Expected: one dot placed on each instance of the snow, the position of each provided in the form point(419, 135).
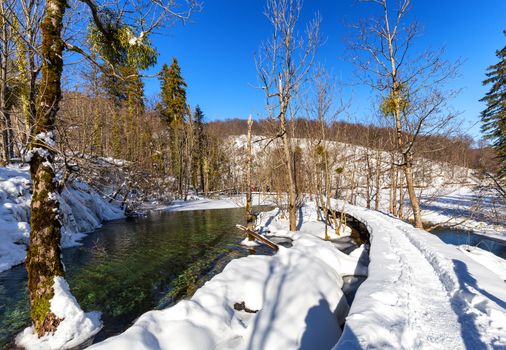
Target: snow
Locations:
point(297, 293)
point(47, 138)
point(247, 243)
point(419, 293)
point(491, 261)
point(202, 204)
point(83, 210)
point(75, 327)
point(223, 202)
point(466, 208)
point(422, 293)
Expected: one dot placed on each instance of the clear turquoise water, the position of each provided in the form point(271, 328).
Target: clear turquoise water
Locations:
point(134, 265)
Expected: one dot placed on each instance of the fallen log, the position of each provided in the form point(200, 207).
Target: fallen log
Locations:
point(259, 237)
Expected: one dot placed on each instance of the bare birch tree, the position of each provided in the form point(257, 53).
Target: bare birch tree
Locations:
point(411, 83)
point(283, 64)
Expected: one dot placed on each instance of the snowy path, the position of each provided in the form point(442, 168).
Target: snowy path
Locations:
point(422, 293)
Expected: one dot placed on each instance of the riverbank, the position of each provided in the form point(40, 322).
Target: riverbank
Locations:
point(419, 293)
point(254, 283)
point(83, 210)
point(292, 299)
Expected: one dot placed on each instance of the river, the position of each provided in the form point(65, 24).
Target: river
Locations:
point(130, 266)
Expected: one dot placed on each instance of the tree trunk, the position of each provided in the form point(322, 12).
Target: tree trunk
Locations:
point(250, 219)
point(378, 180)
point(7, 134)
point(43, 259)
point(408, 173)
point(407, 166)
point(292, 210)
point(368, 182)
point(400, 210)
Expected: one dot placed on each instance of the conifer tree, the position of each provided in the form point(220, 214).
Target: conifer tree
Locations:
point(173, 93)
point(494, 116)
point(173, 109)
point(200, 139)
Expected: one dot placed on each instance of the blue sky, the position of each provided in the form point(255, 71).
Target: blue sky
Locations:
point(216, 49)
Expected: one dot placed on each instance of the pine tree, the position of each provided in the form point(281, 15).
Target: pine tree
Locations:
point(173, 94)
point(200, 139)
point(173, 110)
point(494, 116)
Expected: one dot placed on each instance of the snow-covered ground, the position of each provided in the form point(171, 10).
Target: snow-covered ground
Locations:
point(420, 293)
point(83, 211)
point(297, 293)
point(449, 194)
point(467, 208)
point(223, 202)
point(423, 293)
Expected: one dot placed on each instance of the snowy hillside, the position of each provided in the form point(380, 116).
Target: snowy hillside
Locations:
point(83, 211)
point(449, 194)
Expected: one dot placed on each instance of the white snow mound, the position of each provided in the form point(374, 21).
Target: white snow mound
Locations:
point(75, 328)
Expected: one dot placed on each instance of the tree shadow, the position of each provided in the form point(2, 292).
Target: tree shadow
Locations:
point(300, 218)
point(318, 334)
point(466, 279)
point(269, 220)
point(275, 300)
point(348, 341)
point(469, 330)
point(322, 327)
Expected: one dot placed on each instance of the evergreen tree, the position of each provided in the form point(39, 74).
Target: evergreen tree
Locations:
point(173, 94)
point(199, 154)
point(494, 116)
point(173, 110)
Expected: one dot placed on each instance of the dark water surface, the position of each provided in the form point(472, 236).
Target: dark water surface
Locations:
point(459, 237)
point(131, 266)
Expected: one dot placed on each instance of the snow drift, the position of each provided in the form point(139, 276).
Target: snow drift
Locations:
point(83, 211)
point(75, 327)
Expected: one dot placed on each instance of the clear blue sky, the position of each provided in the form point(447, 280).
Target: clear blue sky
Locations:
point(216, 49)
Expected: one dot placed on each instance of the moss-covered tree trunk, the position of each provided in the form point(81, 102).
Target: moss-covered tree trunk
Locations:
point(43, 261)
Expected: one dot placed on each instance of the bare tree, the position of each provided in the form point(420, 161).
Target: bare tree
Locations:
point(282, 65)
point(249, 162)
point(411, 83)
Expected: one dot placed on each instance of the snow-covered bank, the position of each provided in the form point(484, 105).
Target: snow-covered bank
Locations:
point(83, 211)
point(466, 208)
point(487, 259)
point(297, 293)
point(422, 293)
point(224, 202)
point(75, 326)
